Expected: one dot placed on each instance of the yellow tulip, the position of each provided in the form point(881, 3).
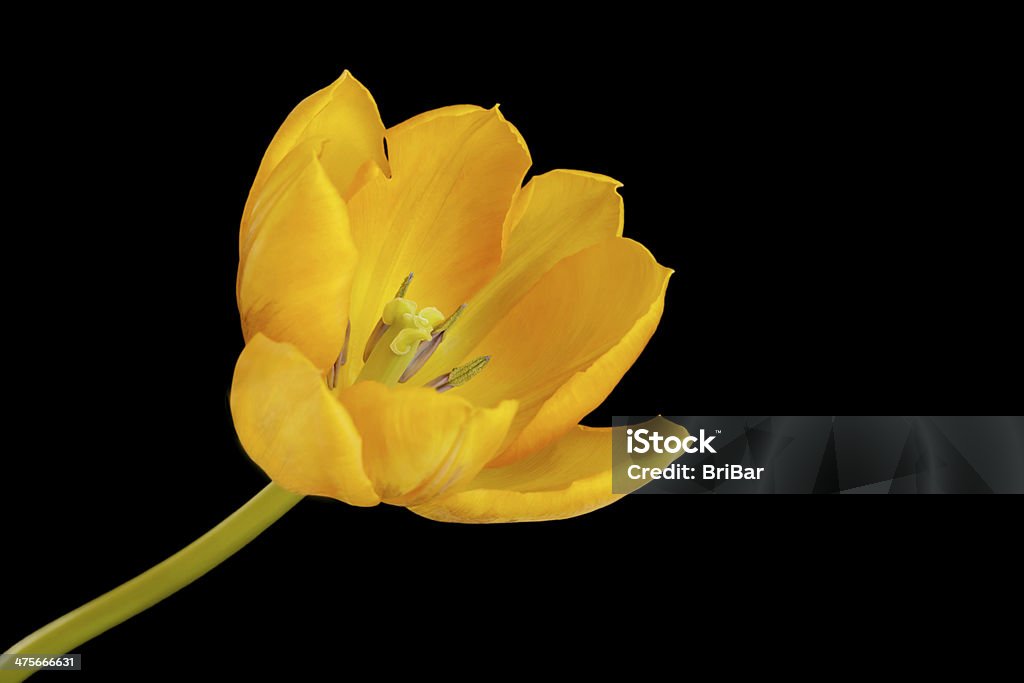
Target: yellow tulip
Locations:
point(554, 297)
point(462, 407)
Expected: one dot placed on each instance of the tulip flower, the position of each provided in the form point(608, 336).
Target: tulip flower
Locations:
point(551, 306)
point(422, 329)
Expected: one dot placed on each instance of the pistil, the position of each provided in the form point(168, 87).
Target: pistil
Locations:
point(382, 325)
point(403, 341)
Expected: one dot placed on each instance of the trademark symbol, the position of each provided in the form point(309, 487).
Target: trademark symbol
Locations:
point(718, 431)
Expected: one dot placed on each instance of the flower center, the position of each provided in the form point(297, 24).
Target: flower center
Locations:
point(404, 339)
point(396, 347)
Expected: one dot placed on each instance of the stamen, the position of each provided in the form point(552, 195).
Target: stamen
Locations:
point(450, 320)
point(335, 370)
point(423, 354)
point(437, 382)
point(464, 373)
point(375, 336)
point(404, 287)
point(458, 376)
point(343, 356)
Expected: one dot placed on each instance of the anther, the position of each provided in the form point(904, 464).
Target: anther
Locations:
point(459, 375)
point(464, 373)
point(404, 287)
point(450, 320)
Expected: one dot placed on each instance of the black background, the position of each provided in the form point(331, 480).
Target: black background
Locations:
point(830, 214)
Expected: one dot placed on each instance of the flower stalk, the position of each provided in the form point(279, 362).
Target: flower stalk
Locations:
point(145, 590)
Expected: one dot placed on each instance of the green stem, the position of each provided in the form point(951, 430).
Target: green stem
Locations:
point(145, 590)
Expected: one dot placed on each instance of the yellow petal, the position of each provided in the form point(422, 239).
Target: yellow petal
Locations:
point(563, 348)
point(343, 112)
point(293, 428)
point(440, 215)
point(554, 216)
point(296, 267)
point(440, 112)
point(419, 443)
point(570, 477)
